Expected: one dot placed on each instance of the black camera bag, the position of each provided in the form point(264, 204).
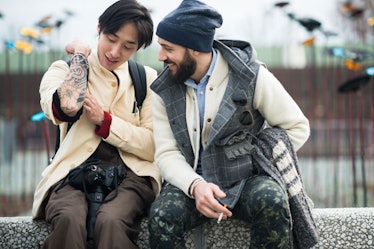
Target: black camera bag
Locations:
point(96, 182)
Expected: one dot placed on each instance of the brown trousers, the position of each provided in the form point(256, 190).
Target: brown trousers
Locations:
point(117, 223)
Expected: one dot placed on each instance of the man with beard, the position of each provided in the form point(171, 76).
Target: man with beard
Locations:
point(209, 102)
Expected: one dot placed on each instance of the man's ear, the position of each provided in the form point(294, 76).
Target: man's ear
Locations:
point(98, 29)
point(194, 53)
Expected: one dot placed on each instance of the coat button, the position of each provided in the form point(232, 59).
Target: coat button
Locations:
point(90, 150)
point(114, 84)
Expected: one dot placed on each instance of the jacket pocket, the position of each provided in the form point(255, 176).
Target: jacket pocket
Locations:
point(236, 145)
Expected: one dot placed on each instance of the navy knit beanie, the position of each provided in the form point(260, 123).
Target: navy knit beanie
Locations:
point(192, 25)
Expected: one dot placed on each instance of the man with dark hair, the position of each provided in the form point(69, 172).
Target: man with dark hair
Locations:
point(95, 94)
point(225, 133)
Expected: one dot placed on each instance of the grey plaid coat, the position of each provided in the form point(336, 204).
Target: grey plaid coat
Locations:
point(222, 162)
point(232, 150)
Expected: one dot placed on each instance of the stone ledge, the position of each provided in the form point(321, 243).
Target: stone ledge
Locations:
point(339, 228)
point(345, 228)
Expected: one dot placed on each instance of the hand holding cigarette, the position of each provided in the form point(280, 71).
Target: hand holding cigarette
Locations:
point(206, 195)
point(221, 214)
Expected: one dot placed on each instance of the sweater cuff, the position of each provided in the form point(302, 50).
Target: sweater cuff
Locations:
point(56, 113)
point(59, 114)
point(103, 129)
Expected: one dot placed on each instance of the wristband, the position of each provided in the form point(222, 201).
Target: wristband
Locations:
point(195, 183)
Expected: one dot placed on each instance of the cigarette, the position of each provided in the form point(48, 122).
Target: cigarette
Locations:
point(221, 214)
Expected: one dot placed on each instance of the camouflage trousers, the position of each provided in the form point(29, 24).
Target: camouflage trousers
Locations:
point(263, 204)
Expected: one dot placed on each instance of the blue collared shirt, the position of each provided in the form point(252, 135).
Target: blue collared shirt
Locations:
point(199, 89)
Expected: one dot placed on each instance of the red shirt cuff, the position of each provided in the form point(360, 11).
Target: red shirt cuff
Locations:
point(103, 130)
point(56, 112)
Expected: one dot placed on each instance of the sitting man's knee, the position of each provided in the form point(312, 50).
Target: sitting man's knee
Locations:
point(267, 194)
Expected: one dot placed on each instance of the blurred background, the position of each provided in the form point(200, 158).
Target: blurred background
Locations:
point(321, 51)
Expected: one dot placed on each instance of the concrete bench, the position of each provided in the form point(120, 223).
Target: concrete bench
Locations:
point(339, 228)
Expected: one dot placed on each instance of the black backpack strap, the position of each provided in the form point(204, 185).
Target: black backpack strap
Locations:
point(138, 76)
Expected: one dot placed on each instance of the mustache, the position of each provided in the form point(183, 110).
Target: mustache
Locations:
point(168, 61)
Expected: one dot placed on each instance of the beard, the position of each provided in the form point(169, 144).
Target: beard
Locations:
point(184, 70)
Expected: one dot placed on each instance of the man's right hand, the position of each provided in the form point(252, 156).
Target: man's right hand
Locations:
point(206, 202)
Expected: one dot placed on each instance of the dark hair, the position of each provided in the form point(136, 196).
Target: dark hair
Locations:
point(124, 11)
